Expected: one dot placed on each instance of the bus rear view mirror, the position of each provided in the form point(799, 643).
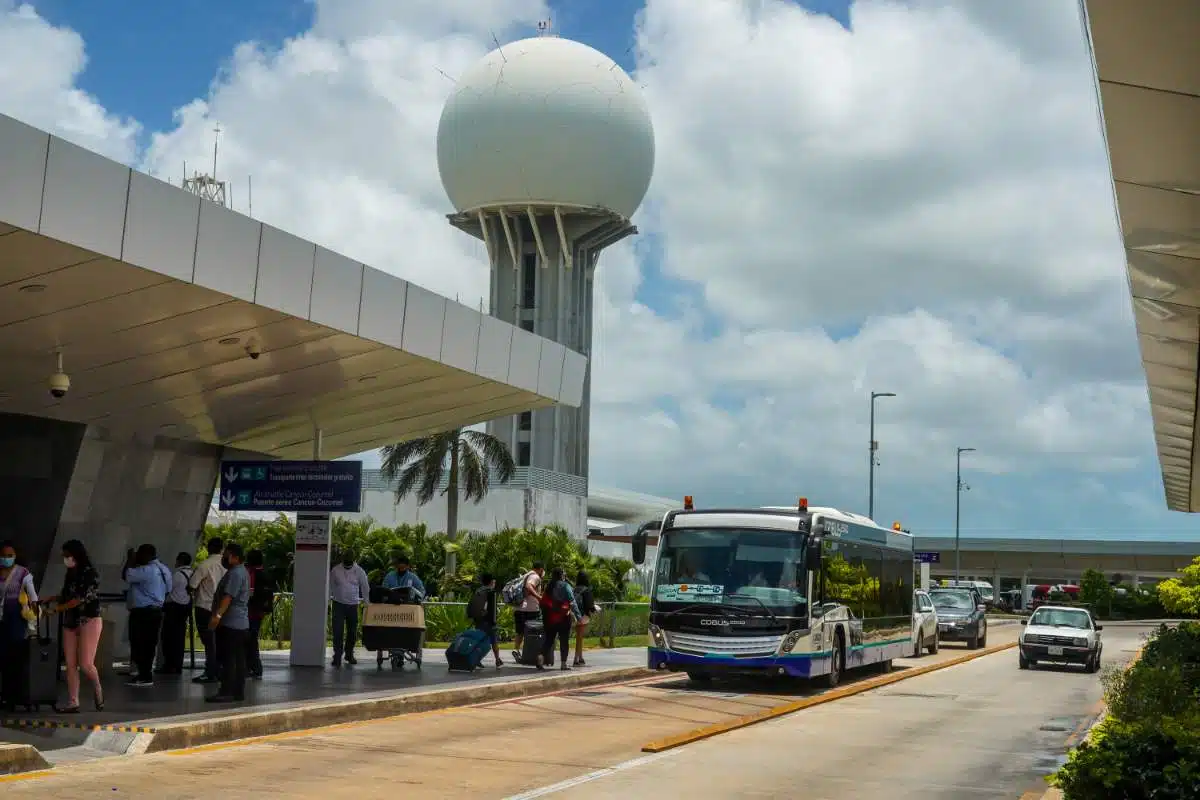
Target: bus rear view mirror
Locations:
point(641, 538)
point(813, 556)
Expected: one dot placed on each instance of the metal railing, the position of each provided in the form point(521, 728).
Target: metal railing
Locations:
point(444, 619)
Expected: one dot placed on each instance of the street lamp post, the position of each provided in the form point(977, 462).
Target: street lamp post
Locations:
point(958, 490)
point(873, 447)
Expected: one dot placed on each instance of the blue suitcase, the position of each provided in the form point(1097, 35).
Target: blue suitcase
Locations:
point(468, 650)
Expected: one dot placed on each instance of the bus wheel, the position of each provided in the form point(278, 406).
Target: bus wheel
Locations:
point(837, 661)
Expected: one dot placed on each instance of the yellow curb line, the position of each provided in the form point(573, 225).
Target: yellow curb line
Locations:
point(718, 728)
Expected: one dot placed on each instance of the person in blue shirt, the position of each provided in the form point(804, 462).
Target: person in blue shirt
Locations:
point(149, 583)
point(402, 575)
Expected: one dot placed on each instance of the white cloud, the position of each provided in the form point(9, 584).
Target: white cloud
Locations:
point(919, 206)
point(39, 65)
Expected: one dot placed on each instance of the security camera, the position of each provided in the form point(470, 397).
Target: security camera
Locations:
point(253, 349)
point(60, 382)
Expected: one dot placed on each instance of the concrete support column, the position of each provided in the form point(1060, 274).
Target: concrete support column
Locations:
point(310, 603)
point(1024, 583)
point(924, 576)
point(1137, 580)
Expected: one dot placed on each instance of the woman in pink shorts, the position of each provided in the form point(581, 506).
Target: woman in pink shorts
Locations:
point(79, 603)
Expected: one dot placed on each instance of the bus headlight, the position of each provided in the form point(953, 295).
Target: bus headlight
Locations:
point(657, 637)
point(790, 641)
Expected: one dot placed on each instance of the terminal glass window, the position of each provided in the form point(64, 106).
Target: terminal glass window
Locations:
point(522, 454)
point(525, 421)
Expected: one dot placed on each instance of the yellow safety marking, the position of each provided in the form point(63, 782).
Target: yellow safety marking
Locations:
point(78, 726)
point(718, 728)
point(26, 776)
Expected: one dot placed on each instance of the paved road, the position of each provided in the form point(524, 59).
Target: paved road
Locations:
point(513, 748)
point(978, 730)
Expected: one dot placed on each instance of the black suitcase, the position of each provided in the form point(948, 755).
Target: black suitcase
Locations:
point(534, 643)
point(41, 667)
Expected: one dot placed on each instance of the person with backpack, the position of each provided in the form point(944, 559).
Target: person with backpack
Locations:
point(558, 610)
point(524, 594)
point(176, 611)
point(586, 601)
point(482, 612)
point(261, 603)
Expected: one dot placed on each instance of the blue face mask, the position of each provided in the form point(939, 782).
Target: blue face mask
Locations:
point(7, 561)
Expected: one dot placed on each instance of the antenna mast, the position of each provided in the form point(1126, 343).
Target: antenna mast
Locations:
point(207, 186)
point(544, 28)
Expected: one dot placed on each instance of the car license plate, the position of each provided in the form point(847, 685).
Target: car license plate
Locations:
point(1054, 651)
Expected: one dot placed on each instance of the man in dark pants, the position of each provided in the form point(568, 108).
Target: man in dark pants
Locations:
point(175, 616)
point(207, 575)
point(149, 582)
point(230, 623)
point(348, 589)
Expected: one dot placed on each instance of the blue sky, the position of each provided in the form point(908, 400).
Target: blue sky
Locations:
point(147, 59)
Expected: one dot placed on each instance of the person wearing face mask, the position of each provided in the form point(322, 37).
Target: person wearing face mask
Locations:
point(348, 589)
point(79, 604)
point(18, 601)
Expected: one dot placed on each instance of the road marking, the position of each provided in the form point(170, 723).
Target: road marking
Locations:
point(718, 728)
point(571, 783)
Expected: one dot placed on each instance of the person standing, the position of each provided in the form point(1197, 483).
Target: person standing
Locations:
point(203, 585)
point(79, 604)
point(175, 616)
point(585, 600)
point(149, 582)
point(262, 602)
point(230, 623)
point(18, 602)
point(558, 609)
point(348, 589)
point(482, 612)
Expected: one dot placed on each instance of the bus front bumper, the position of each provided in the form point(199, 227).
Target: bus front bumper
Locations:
point(800, 665)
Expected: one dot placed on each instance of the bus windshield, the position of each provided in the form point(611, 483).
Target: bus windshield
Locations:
point(759, 570)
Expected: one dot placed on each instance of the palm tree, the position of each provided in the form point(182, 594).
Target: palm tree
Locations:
point(471, 456)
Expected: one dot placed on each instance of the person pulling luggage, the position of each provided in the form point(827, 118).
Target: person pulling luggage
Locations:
point(482, 612)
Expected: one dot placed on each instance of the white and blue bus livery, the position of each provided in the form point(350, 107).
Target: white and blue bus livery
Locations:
point(803, 592)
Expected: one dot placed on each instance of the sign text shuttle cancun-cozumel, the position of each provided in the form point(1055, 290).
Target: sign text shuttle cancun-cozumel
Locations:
point(322, 486)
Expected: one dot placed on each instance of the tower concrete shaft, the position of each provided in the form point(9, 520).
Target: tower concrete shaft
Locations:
point(543, 266)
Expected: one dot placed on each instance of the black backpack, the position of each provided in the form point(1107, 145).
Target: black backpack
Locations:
point(263, 598)
point(477, 607)
point(585, 601)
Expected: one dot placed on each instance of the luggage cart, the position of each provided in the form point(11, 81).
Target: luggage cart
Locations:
point(394, 627)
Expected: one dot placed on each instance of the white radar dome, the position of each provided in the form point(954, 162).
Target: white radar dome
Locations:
point(546, 121)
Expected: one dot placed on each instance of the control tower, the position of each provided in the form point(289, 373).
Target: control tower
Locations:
point(546, 149)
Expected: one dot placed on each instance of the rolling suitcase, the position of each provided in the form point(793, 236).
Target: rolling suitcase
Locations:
point(41, 667)
point(468, 650)
point(534, 643)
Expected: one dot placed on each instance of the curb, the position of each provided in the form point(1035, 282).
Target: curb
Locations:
point(708, 731)
point(49, 724)
point(20, 758)
point(256, 724)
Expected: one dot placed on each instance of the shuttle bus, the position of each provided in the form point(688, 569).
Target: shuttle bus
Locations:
point(802, 592)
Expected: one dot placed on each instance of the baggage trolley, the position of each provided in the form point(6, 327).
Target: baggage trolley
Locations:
point(394, 628)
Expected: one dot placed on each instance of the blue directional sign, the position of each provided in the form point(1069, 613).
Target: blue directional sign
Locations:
point(927, 558)
point(291, 486)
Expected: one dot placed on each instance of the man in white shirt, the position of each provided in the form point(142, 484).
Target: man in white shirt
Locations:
point(348, 589)
point(203, 584)
point(175, 616)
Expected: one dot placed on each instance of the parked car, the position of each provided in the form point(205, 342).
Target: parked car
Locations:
point(985, 589)
point(962, 616)
point(1063, 634)
point(925, 625)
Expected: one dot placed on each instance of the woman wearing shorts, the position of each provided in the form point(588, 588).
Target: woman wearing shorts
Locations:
point(79, 603)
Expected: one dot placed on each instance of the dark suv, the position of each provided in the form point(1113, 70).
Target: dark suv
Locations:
point(962, 616)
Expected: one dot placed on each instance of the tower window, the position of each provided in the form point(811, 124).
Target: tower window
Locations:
point(526, 421)
point(529, 281)
point(527, 325)
point(522, 454)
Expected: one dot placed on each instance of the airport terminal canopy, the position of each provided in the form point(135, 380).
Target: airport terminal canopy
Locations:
point(178, 317)
point(1149, 84)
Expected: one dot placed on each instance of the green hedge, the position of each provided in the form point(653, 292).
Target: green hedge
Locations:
point(1149, 745)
